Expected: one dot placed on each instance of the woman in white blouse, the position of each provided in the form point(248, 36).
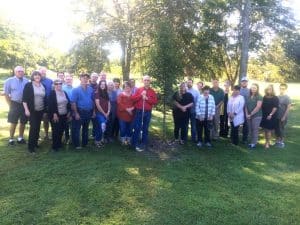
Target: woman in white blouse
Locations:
point(235, 110)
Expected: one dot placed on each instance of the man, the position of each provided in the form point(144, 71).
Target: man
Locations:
point(144, 99)
point(13, 91)
point(102, 76)
point(192, 115)
point(200, 86)
point(94, 85)
point(117, 84)
point(82, 101)
point(115, 122)
point(285, 105)
point(218, 95)
point(68, 87)
point(48, 85)
point(245, 92)
point(61, 76)
point(132, 84)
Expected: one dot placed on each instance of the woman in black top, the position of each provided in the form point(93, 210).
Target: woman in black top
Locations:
point(269, 109)
point(183, 101)
point(59, 113)
point(34, 102)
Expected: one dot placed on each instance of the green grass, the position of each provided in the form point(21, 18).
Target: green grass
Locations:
point(229, 185)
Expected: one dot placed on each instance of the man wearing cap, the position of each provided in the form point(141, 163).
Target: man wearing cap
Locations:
point(82, 106)
point(94, 84)
point(245, 92)
point(144, 99)
point(13, 91)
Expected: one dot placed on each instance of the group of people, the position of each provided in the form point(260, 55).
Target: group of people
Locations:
point(112, 110)
point(213, 111)
point(125, 113)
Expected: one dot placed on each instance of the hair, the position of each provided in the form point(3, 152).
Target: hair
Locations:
point(94, 74)
point(272, 87)
point(84, 75)
point(283, 85)
point(18, 68)
point(34, 73)
point(190, 79)
point(103, 93)
point(236, 88)
point(206, 88)
point(117, 80)
point(126, 83)
point(200, 82)
point(257, 92)
point(60, 72)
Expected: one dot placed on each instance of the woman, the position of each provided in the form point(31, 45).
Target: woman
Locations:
point(59, 113)
point(235, 110)
point(125, 113)
point(183, 101)
point(205, 111)
point(102, 112)
point(34, 102)
point(269, 114)
point(112, 94)
point(253, 114)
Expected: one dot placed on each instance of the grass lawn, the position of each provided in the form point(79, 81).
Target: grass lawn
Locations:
point(228, 185)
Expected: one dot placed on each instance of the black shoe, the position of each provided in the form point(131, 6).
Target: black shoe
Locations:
point(21, 141)
point(11, 143)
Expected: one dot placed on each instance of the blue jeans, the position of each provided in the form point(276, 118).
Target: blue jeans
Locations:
point(193, 126)
point(101, 124)
point(125, 129)
point(137, 127)
point(83, 124)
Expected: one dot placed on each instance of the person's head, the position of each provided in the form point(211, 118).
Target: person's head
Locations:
point(110, 86)
point(57, 84)
point(19, 71)
point(215, 83)
point(61, 76)
point(127, 86)
point(132, 82)
point(269, 91)
point(200, 85)
point(226, 85)
point(254, 90)
point(117, 83)
point(189, 83)
point(102, 76)
point(205, 90)
point(94, 78)
point(244, 82)
point(182, 87)
point(68, 79)
point(36, 76)
point(43, 71)
point(84, 79)
point(146, 81)
point(283, 88)
point(236, 90)
point(102, 85)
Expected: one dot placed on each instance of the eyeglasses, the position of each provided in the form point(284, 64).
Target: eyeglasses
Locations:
point(57, 83)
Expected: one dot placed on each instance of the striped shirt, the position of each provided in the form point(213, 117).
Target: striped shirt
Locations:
point(201, 106)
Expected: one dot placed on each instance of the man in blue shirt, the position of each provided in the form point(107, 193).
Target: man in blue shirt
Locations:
point(13, 91)
point(48, 83)
point(68, 87)
point(83, 106)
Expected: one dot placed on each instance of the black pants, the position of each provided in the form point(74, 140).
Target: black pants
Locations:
point(67, 130)
point(180, 125)
point(203, 126)
point(34, 130)
point(234, 134)
point(58, 129)
point(245, 129)
point(224, 128)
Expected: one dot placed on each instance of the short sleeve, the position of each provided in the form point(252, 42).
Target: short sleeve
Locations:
point(74, 95)
point(7, 87)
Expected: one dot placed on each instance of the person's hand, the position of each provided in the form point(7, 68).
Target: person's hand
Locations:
point(248, 116)
point(183, 109)
point(283, 119)
point(210, 118)
point(55, 118)
point(269, 117)
point(27, 113)
point(129, 110)
point(94, 115)
point(77, 116)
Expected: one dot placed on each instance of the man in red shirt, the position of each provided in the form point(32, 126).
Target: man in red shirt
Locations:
point(144, 99)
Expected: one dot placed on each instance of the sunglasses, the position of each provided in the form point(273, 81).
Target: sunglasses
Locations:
point(58, 84)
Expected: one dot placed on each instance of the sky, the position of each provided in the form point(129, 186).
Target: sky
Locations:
point(53, 19)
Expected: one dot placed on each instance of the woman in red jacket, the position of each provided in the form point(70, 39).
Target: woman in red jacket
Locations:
point(125, 113)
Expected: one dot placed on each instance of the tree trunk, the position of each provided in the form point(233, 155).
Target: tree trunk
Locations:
point(245, 38)
point(126, 57)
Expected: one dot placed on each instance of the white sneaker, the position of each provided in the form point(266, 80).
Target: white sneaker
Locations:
point(139, 149)
point(199, 144)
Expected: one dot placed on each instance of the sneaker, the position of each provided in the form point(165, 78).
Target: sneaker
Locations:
point(251, 146)
point(181, 142)
point(208, 144)
point(21, 141)
point(78, 147)
point(199, 144)
point(11, 142)
point(281, 145)
point(139, 149)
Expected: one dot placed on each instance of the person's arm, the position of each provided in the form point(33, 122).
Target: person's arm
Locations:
point(137, 96)
point(256, 109)
point(97, 101)
point(120, 103)
point(7, 92)
point(288, 108)
point(240, 107)
point(74, 108)
point(213, 108)
point(274, 109)
point(151, 98)
point(109, 108)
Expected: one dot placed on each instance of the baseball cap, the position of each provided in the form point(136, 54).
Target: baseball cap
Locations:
point(244, 79)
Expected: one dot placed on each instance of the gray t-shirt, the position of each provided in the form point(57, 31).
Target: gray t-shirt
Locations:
point(284, 101)
point(62, 102)
point(39, 95)
point(245, 92)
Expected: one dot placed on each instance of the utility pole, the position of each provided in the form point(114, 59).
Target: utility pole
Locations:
point(245, 38)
